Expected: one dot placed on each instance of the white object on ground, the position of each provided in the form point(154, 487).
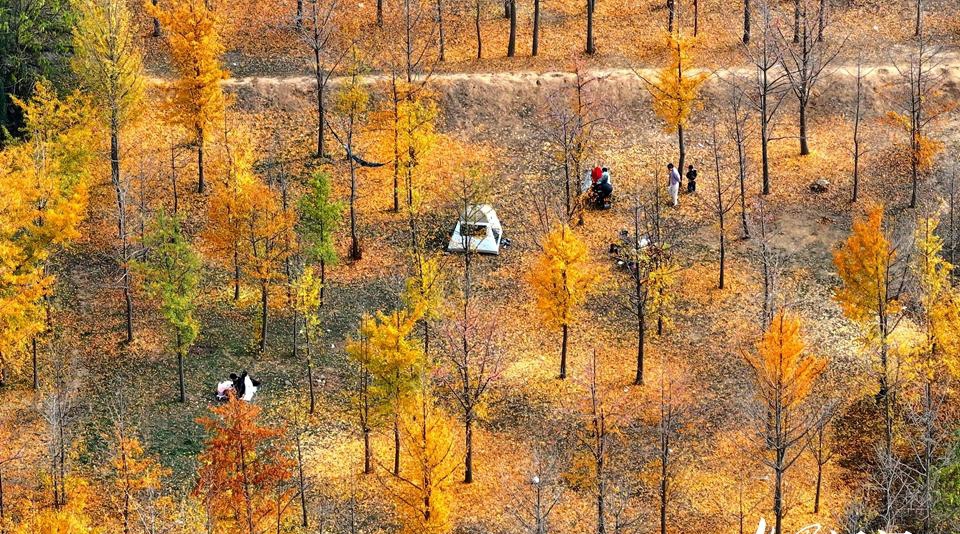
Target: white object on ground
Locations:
point(248, 389)
point(478, 230)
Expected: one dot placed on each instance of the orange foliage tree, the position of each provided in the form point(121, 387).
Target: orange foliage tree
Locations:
point(869, 295)
point(784, 375)
point(195, 44)
point(561, 280)
point(243, 475)
point(249, 229)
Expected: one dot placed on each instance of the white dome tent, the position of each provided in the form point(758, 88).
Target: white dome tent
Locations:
point(478, 230)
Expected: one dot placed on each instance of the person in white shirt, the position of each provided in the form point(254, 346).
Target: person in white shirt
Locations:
point(673, 184)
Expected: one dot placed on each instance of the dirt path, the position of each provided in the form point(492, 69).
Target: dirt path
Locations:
point(949, 66)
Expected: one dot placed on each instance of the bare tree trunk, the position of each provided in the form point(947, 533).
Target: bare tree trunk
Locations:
point(302, 483)
point(796, 26)
point(591, 6)
point(696, 17)
point(918, 30)
point(746, 21)
point(396, 445)
point(36, 374)
point(563, 353)
point(320, 87)
point(201, 186)
point(379, 13)
point(442, 39)
point(671, 14)
point(476, 23)
point(183, 388)
point(263, 317)
point(512, 43)
point(821, 19)
point(804, 145)
point(468, 436)
point(536, 28)
point(681, 145)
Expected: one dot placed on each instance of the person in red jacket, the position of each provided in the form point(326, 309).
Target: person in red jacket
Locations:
point(595, 175)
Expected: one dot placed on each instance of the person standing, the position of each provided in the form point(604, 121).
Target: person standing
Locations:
point(691, 179)
point(673, 184)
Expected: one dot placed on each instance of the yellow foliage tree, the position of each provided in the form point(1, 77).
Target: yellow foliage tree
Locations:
point(71, 518)
point(675, 90)
point(44, 185)
point(869, 295)
point(423, 490)
point(195, 44)
point(306, 302)
point(110, 65)
point(249, 229)
point(395, 362)
point(784, 376)
point(134, 475)
point(561, 279)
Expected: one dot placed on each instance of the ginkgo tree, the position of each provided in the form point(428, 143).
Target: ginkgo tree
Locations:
point(676, 90)
point(870, 296)
point(171, 273)
point(110, 65)
point(192, 29)
point(784, 377)
point(561, 279)
point(45, 184)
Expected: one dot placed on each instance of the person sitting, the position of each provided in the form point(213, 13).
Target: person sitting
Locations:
point(604, 190)
point(246, 386)
point(224, 388)
point(595, 175)
point(243, 387)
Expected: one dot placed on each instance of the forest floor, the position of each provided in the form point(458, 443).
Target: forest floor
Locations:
point(501, 114)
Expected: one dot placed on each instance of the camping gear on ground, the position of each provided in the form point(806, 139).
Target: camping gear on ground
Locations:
point(477, 230)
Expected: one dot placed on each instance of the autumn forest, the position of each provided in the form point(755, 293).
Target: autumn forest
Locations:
point(479, 266)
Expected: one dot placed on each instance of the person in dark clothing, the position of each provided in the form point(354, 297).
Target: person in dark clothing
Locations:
point(604, 190)
point(691, 179)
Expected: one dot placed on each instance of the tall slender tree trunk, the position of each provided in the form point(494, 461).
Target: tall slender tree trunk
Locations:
point(442, 40)
point(512, 43)
point(476, 24)
point(468, 438)
point(308, 352)
point(321, 119)
point(201, 186)
point(180, 379)
point(918, 27)
point(396, 444)
point(746, 21)
point(641, 342)
point(563, 353)
point(796, 24)
point(121, 220)
point(36, 374)
point(682, 146)
point(302, 482)
point(742, 163)
point(264, 317)
point(696, 17)
point(591, 6)
point(379, 13)
point(356, 253)
point(536, 28)
point(671, 14)
point(821, 19)
point(804, 145)
point(664, 464)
